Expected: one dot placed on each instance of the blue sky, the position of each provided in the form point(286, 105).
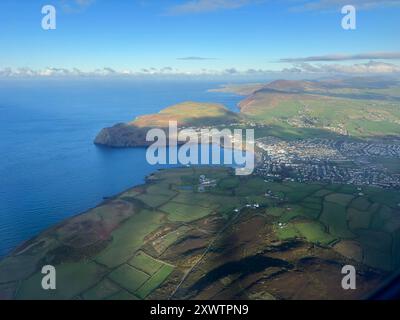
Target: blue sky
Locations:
point(199, 36)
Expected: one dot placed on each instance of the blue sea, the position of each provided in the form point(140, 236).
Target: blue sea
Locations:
point(49, 167)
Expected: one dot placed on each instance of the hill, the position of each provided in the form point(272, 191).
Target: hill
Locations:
point(353, 107)
point(336, 106)
point(187, 114)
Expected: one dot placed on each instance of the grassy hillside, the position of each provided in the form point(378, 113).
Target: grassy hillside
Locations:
point(358, 108)
point(335, 107)
point(142, 243)
point(188, 114)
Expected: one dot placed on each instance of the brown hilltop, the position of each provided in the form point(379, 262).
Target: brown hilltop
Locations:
point(292, 85)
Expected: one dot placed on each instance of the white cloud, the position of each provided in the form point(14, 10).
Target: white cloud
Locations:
point(303, 67)
point(202, 6)
point(360, 68)
point(337, 4)
point(344, 57)
point(194, 58)
point(75, 6)
point(292, 70)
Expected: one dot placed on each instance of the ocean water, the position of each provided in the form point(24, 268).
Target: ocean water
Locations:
point(49, 167)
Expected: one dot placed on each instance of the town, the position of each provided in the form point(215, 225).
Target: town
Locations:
point(349, 162)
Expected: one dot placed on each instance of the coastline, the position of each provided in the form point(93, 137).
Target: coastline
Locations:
point(60, 173)
point(106, 200)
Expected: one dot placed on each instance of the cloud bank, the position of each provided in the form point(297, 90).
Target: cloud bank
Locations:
point(346, 57)
point(371, 67)
point(75, 6)
point(195, 58)
point(360, 68)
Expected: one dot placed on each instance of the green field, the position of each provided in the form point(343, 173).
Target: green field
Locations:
point(145, 263)
point(153, 200)
point(106, 288)
point(155, 281)
point(184, 212)
point(129, 277)
point(360, 117)
point(130, 263)
point(129, 237)
point(167, 240)
point(314, 232)
point(72, 279)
